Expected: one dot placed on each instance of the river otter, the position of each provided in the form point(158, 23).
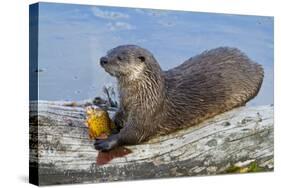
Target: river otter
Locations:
point(153, 101)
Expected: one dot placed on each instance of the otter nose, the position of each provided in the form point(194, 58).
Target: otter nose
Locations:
point(103, 61)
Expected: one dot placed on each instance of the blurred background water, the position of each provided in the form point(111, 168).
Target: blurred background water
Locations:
point(72, 38)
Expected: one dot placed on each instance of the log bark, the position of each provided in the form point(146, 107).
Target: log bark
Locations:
point(61, 150)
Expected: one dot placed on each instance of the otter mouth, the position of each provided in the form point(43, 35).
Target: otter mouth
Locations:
point(110, 69)
point(104, 63)
point(110, 73)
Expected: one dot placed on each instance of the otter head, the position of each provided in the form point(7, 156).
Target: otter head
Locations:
point(129, 62)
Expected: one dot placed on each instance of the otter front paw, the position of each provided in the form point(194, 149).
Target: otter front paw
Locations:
point(108, 144)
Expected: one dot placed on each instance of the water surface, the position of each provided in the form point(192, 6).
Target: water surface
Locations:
point(72, 38)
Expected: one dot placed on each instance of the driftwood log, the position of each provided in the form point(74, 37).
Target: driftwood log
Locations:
point(61, 152)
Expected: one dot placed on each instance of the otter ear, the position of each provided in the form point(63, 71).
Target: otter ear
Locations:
point(141, 58)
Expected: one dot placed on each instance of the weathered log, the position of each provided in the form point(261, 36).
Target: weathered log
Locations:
point(61, 150)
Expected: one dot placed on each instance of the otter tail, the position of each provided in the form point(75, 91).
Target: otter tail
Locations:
point(247, 74)
point(257, 75)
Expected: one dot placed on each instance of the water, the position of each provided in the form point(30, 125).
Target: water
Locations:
point(72, 38)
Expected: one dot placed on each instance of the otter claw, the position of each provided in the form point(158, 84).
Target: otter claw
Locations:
point(108, 144)
point(101, 145)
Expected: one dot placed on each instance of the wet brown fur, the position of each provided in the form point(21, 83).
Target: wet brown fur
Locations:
point(153, 101)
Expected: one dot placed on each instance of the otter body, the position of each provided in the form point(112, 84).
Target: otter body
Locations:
point(153, 101)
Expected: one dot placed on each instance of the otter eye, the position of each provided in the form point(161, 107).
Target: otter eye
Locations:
point(141, 58)
point(119, 58)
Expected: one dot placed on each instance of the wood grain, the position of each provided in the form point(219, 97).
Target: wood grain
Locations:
point(61, 150)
